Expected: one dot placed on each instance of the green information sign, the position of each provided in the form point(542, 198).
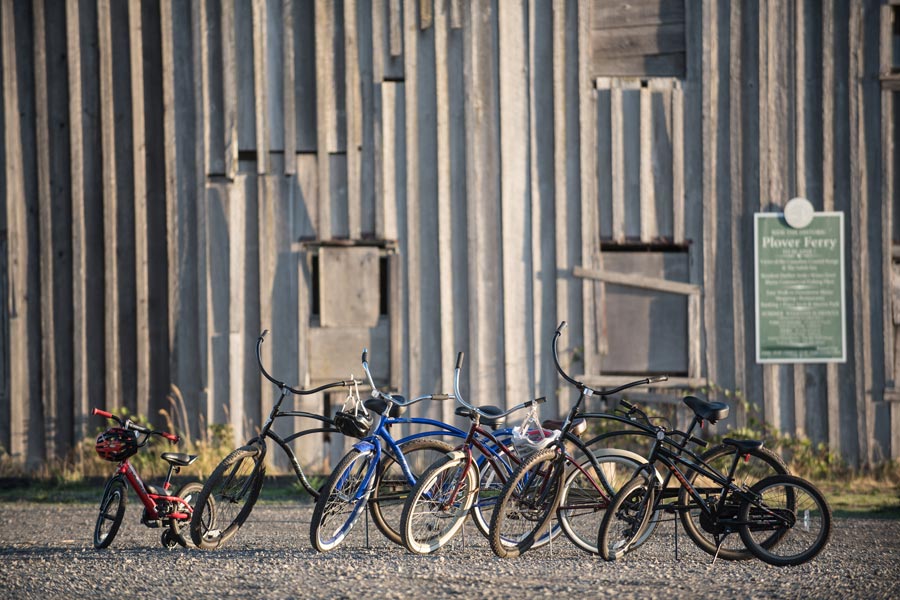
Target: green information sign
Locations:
point(800, 306)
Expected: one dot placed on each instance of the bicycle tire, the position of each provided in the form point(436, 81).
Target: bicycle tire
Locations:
point(761, 463)
point(526, 505)
point(190, 493)
point(625, 519)
point(391, 488)
point(228, 497)
point(808, 516)
point(438, 504)
point(340, 503)
point(582, 507)
point(112, 511)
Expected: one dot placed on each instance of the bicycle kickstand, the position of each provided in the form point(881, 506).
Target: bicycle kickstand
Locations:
point(719, 543)
point(675, 520)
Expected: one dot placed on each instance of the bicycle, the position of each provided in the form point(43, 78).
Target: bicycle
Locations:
point(782, 519)
point(532, 495)
point(235, 484)
point(161, 508)
point(581, 507)
point(378, 470)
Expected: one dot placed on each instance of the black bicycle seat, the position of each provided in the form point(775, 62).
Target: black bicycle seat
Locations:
point(490, 421)
point(743, 446)
point(380, 404)
point(579, 426)
point(179, 459)
point(708, 411)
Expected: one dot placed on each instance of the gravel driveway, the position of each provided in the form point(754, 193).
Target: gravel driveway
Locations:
point(46, 552)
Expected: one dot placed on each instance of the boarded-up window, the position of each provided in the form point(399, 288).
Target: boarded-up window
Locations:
point(638, 38)
point(647, 330)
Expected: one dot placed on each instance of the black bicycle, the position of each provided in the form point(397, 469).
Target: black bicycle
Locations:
point(781, 519)
point(585, 477)
point(234, 485)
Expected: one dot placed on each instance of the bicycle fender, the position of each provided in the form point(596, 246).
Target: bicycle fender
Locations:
point(627, 454)
point(457, 455)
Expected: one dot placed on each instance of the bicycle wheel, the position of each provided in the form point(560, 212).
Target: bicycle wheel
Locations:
point(438, 504)
point(625, 519)
point(392, 488)
point(708, 535)
point(341, 501)
point(228, 497)
point(526, 504)
point(112, 510)
point(789, 524)
point(587, 493)
point(180, 530)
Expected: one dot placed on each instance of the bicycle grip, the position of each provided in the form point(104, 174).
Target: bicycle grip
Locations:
point(441, 396)
point(102, 413)
point(562, 326)
point(171, 437)
point(657, 379)
point(540, 400)
point(626, 404)
point(263, 334)
point(459, 360)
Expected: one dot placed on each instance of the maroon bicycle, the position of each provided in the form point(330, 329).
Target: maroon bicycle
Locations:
point(161, 508)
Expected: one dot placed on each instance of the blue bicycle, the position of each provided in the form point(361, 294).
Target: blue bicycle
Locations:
point(378, 469)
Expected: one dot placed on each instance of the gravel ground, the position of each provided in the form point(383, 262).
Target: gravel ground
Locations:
point(46, 551)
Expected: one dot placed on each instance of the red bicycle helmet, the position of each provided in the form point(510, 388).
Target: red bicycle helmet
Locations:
point(116, 444)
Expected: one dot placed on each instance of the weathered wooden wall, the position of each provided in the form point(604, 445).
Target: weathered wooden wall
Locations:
point(179, 175)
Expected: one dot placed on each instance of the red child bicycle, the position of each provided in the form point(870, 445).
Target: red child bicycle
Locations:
point(161, 508)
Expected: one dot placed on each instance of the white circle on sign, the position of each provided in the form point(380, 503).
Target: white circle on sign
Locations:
point(799, 212)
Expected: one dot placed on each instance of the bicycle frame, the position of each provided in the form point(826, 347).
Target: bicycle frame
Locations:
point(149, 500)
point(373, 443)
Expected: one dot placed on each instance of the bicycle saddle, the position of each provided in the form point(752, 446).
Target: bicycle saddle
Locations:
point(578, 427)
point(743, 446)
point(491, 421)
point(178, 459)
point(708, 411)
point(380, 404)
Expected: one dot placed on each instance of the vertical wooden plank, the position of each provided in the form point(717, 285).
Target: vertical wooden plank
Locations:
point(617, 134)
point(514, 206)
point(379, 46)
point(801, 400)
point(389, 98)
point(354, 118)
point(485, 358)
point(217, 291)
point(828, 187)
point(46, 259)
point(229, 89)
point(563, 276)
point(289, 84)
point(456, 14)
point(306, 195)
point(23, 257)
point(80, 373)
point(888, 162)
point(710, 124)
point(592, 291)
point(426, 14)
point(141, 229)
point(260, 85)
point(326, 126)
point(413, 216)
point(647, 188)
point(110, 208)
point(859, 239)
point(444, 203)
point(395, 26)
point(678, 216)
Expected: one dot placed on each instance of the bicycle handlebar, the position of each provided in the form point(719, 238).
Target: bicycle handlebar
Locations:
point(586, 389)
point(461, 400)
point(129, 424)
point(285, 386)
